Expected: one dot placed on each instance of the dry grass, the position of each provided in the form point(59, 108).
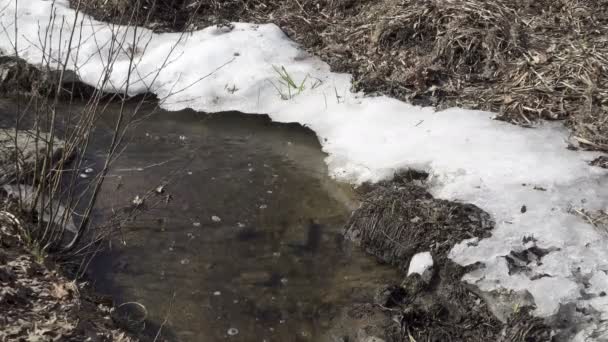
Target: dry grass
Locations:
point(398, 219)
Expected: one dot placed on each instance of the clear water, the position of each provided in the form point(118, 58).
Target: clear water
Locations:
point(248, 247)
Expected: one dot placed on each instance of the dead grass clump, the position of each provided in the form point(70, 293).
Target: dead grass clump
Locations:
point(449, 38)
point(400, 219)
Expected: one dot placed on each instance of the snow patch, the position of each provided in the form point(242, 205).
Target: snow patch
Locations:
point(421, 263)
point(471, 158)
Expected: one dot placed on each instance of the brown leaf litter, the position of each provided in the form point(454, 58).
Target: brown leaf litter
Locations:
point(37, 303)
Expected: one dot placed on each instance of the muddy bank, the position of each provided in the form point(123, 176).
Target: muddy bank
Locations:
point(38, 302)
point(526, 60)
point(42, 296)
point(400, 219)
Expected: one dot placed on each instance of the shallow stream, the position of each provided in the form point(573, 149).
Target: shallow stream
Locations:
point(244, 243)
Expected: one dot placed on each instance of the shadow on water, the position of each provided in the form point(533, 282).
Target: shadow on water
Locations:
point(244, 243)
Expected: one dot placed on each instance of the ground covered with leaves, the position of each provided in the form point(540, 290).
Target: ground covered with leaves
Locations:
point(524, 59)
point(38, 303)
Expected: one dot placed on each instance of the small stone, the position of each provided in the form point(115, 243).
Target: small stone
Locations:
point(233, 331)
point(184, 261)
point(196, 224)
point(216, 219)
point(88, 170)
point(160, 189)
point(523, 209)
point(263, 206)
point(83, 175)
point(217, 293)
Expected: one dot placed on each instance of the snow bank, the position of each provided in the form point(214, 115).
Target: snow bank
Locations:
point(470, 157)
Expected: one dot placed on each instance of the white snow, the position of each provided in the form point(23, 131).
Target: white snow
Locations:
point(421, 263)
point(471, 158)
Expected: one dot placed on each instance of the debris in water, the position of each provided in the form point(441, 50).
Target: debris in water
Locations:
point(216, 218)
point(138, 200)
point(523, 209)
point(233, 331)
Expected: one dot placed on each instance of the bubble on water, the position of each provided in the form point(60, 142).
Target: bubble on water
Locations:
point(233, 331)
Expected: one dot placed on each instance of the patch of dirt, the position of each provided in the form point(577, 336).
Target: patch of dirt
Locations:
point(399, 219)
point(524, 59)
point(38, 303)
point(17, 77)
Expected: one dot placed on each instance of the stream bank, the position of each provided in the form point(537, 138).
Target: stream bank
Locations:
point(41, 299)
point(212, 217)
point(525, 60)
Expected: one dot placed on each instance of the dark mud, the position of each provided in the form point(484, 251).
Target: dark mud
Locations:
point(19, 78)
point(399, 219)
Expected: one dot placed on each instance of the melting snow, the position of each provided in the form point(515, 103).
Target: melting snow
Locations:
point(421, 263)
point(471, 158)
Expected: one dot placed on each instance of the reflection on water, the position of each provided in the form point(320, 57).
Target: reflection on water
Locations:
point(244, 242)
